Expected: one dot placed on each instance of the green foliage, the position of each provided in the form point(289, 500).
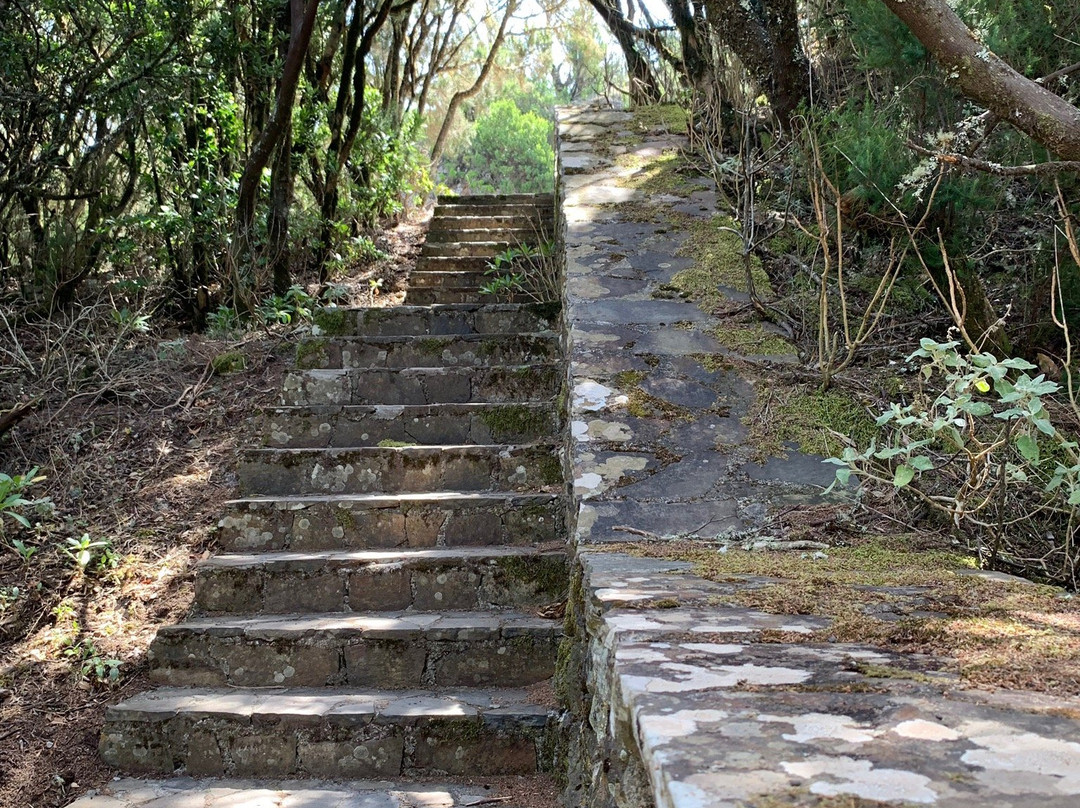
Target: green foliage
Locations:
point(509, 152)
point(527, 269)
point(13, 500)
point(982, 450)
point(90, 665)
point(84, 551)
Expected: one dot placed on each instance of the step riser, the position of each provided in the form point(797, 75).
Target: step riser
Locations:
point(428, 352)
point(509, 423)
point(443, 280)
point(215, 746)
point(477, 249)
point(505, 583)
point(449, 223)
point(455, 200)
point(452, 386)
point(363, 471)
point(476, 658)
point(392, 322)
point(434, 297)
point(477, 238)
point(495, 209)
point(331, 526)
point(445, 263)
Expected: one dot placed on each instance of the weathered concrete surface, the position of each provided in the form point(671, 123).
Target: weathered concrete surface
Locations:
point(679, 697)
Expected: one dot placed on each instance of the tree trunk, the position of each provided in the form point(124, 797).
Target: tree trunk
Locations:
point(277, 222)
point(644, 86)
point(464, 95)
point(988, 80)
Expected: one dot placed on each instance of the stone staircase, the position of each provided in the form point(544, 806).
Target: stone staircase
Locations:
point(374, 612)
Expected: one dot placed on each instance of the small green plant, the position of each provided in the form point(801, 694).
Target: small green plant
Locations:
point(128, 320)
point(223, 321)
point(90, 665)
point(294, 306)
point(13, 499)
point(531, 270)
point(9, 596)
point(25, 551)
point(984, 452)
point(84, 550)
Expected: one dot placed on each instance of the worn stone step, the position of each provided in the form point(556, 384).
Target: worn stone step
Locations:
point(418, 580)
point(492, 209)
point(340, 733)
point(477, 236)
point(440, 519)
point(438, 279)
point(387, 649)
point(428, 424)
point(506, 791)
point(540, 220)
point(387, 469)
point(451, 263)
point(465, 294)
point(467, 249)
point(460, 385)
point(457, 350)
point(471, 318)
point(455, 200)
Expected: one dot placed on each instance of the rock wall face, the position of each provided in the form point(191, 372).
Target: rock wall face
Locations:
point(679, 696)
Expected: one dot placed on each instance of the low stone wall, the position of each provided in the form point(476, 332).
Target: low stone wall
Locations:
point(678, 697)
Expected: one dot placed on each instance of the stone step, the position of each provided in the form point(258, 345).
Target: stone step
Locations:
point(386, 649)
point(442, 519)
point(517, 235)
point(485, 249)
point(417, 580)
point(492, 209)
point(370, 469)
point(464, 294)
point(428, 424)
point(471, 318)
point(340, 733)
point(451, 263)
point(456, 200)
point(543, 221)
point(461, 385)
point(461, 279)
point(514, 791)
point(458, 350)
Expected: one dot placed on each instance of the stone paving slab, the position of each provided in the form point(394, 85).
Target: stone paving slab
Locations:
point(186, 792)
point(432, 519)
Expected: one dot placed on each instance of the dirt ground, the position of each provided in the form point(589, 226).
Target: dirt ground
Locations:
point(137, 435)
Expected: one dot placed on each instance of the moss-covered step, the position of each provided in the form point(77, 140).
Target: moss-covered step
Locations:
point(491, 209)
point(467, 318)
point(339, 733)
point(369, 469)
point(428, 424)
point(372, 521)
point(446, 201)
point(539, 221)
point(439, 279)
point(469, 294)
point(452, 263)
point(439, 579)
point(461, 350)
point(396, 650)
point(460, 385)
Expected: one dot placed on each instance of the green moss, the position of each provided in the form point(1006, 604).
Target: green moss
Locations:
point(718, 261)
point(433, 345)
point(890, 672)
point(628, 378)
point(311, 351)
point(550, 469)
point(547, 574)
point(514, 419)
point(665, 117)
point(388, 443)
point(669, 173)
point(333, 322)
point(643, 405)
point(783, 414)
point(345, 519)
point(229, 362)
point(752, 340)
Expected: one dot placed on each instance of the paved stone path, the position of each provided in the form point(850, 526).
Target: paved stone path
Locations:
point(375, 613)
point(680, 697)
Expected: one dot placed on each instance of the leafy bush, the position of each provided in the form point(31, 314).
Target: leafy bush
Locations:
point(984, 452)
point(509, 152)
